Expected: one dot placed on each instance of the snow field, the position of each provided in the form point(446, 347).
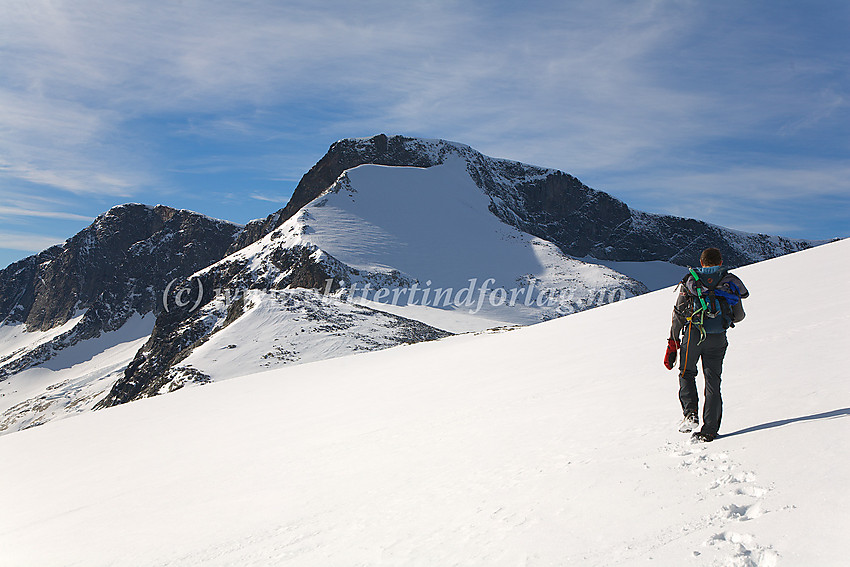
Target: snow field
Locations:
point(15, 340)
point(74, 380)
point(554, 444)
point(291, 327)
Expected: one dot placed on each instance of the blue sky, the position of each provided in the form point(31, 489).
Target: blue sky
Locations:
point(732, 112)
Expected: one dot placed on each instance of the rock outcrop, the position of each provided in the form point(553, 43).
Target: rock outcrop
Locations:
point(113, 268)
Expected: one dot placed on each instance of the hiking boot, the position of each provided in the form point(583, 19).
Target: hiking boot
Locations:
point(690, 423)
point(700, 437)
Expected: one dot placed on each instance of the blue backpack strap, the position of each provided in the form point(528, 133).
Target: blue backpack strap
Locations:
point(732, 298)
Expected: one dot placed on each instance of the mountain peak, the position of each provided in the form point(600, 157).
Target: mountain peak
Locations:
point(345, 154)
point(106, 272)
point(550, 204)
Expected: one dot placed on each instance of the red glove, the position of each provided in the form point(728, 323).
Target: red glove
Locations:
point(670, 356)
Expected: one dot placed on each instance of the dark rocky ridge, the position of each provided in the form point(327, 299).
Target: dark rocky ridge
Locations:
point(177, 332)
point(584, 222)
point(117, 266)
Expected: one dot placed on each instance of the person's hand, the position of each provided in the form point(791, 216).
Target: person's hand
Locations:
point(670, 356)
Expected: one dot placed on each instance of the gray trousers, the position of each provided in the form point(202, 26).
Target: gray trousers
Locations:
point(711, 351)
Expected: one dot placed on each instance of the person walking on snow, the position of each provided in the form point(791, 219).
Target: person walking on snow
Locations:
point(709, 302)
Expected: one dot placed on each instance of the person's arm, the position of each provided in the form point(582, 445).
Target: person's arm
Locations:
point(673, 342)
point(679, 317)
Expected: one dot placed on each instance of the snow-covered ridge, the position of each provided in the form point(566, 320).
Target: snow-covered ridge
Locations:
point(438, 150)
point(298, 326)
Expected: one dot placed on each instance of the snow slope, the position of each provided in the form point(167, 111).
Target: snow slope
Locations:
point(296, 326)
point(553, 444)
point(72, 381)
point(16, 341)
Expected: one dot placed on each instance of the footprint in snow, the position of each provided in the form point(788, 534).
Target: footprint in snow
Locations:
point(742, 513)
point(745, 502)
point(735, 477)
point(745, 551)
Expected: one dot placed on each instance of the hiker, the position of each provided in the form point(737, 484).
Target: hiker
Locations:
point(709, 302)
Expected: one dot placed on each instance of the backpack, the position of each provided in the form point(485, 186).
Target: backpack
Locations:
point(711, 311)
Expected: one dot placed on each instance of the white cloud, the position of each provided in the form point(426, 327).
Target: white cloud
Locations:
point(27, 242)
point(75, 73)
point(20, 212)
point(61, 144)
point(796, 198)
point(279, 199)
point(162, 56)
point(757, 185)
point(572, 89)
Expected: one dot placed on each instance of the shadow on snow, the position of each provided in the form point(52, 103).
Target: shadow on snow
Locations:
point(770, 425)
